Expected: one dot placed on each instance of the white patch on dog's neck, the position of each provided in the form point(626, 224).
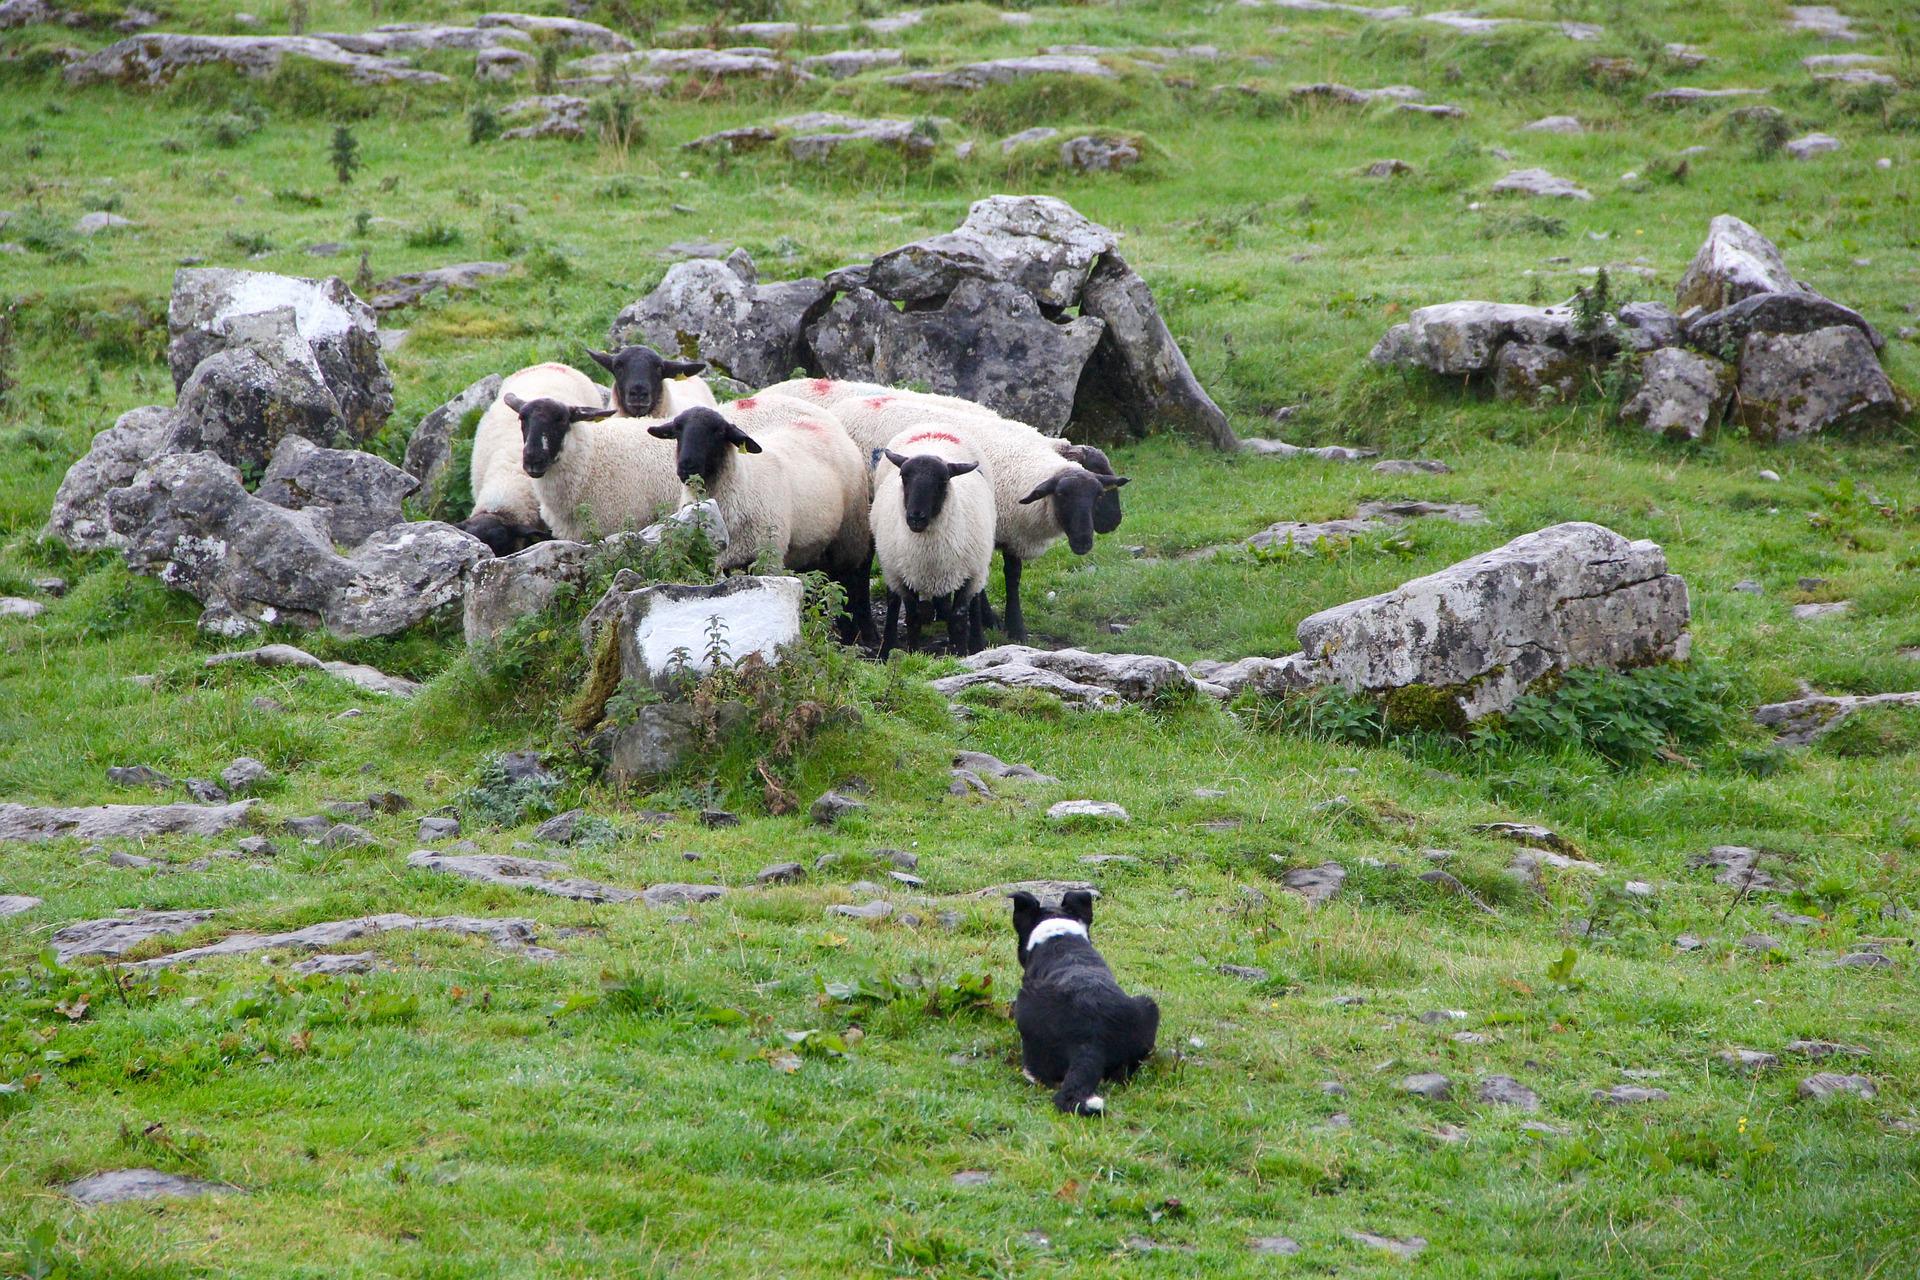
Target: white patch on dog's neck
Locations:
point(1047, 930)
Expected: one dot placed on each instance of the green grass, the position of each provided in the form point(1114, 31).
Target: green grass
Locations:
point(624, 1109)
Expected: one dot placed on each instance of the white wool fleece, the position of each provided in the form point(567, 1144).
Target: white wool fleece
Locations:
point(499, 485)
point(677, 395)
point(871, 413)
point(954, 551)
point(609, 476)
point(803, 497)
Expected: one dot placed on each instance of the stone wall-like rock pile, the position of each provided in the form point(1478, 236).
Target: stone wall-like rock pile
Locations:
point(277, 377)
point(1750, 344)
point(1026, 307)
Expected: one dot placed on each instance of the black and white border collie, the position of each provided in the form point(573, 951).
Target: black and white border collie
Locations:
point(1077, 1027)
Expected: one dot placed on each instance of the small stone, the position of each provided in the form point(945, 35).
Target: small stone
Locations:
point(1628, 1094)
point(1332, 1088)
point(1828, 1084)
point(20, 607)
point(906, 878)
point(1316, 884)
point(1440, 1017)
point(1764, 943)
point(12, 904)
point(1638, 889)
point(1470, 1038)
point(1097, 810)
point(1405, 1248)
point(352, 810)
point(1747, 586)
point(561, 828)
point(1818, 1049)
point(832, 806)
point(717, 818)
point(432, 829)
point(972, 1178)
point(138, 775)
point(118, 1185)
point(781, 873)
point(1505, 1091)
point(1245, 972)
point(1529, 833)
point(349, 962)
point(55, 587)
point(1429, 1085)
point(1451, 1134)
point(205, 791)
point(1864, 960)
point(244, 773)
point(121, 858)
point(875, 910)
point(1748, 1060)
point(347, 836)
point(1411, 466)
point(257, 846)
point(1769, 475)
point(674, 895)
point(1274, 1246)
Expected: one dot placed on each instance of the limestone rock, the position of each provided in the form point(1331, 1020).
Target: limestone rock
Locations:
point(118, 935)
point(410, 287)
point(988, 342)
point(1138, 379)
point(1681, 394)
point(1039, 244)
point(758, 615)
point(1804, 720)
point(552, 115)
point(355, 494)
point(679, 895)
point(1316, 884)
point(1086, 810)
point(79, 514)
point(1458, 338)
point(155, 58)
point(651, 745)
point(1432, 1086)
point(1792, 311)
point(573, 33)
point(714, 311)
point(1797, 385)
point(431, 444)
point(1647, 326)
point(13, 904)
point(832, 806)
point(129, 821)
point(1505, 1091)
point(1481, 631)
point(1735, 262)
point(1002, 71)
point(1534, 372)
point(1538, 182)
point(509, 934)
point(1137, 677)
point(119, 1185)
point(519, 873)
point(1829, 1084)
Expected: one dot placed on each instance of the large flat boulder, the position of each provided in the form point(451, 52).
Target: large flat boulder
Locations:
point(157, 57)
point(664, 631)
point(716, 311)
point(988, 342)
point(1801, 384)
point(1480, 632)
point(1037, 243)
point(130, 821)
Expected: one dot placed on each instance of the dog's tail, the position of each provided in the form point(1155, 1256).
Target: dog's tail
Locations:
point(1078, 1094)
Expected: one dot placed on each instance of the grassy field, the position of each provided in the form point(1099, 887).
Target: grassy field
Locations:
point(649, 1103)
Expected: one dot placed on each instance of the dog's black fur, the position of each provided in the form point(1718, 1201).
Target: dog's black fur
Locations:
point(1077, 1027)
point(638, 374)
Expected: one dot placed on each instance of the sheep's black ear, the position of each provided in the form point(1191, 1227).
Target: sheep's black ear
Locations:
point(1079, 904)
point(513, 402)
point(961, 468)
point(1044, 489)
point(666, 430)
point(897, 459)
point(585, 413)
point(683, 368)
point(746, 443)
point(602, 358)
point(1112, 482)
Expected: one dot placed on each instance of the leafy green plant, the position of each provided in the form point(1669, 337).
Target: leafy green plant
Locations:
point(1629, 717)
point(930, 994)
point(1333, 714)
point(497, 800)
point(344, 154)
point(483, 124)
point(433, 234)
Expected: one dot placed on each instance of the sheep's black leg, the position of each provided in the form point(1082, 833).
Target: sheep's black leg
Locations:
point(892, 633)
point(957, 615)
point(1016, 620)
point(860, 597)
point(977, 623)
point(913, 619)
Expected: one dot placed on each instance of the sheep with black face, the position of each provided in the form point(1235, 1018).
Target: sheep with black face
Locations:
point(789, 482)
point(506, 510)
point(933, 531)
point(594, 473)
point(647, 385)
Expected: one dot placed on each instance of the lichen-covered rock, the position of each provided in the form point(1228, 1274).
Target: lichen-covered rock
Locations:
point(650, 745)
point(1794, 311)
point(816, 135)
point(1538, 182)
point(1797, 385)
point(79, 515)
point(189, 521)
point(988, 342)
point(519, 873)
point(117, 935)
point(508, 933)
point(1099, 153)
point(420, 37)
point(1735, 262)
point(1647, 326)
point(575, 33)
point(1460, 338)
point(157, 57)
point(213, 309)
point(355, 494)
point(559, 115)
point(715, 311)
point(1480, 632)
point(1136, 677)
point(1536, 372)
point(1681, 394)
point(1138, 379)
point(1037, 243)
point(410, 287)
point(1002, 71)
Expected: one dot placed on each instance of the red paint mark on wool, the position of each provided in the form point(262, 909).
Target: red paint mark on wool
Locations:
point(948, 436)
point(821, 386)
point(879, 402)
point(748, 403)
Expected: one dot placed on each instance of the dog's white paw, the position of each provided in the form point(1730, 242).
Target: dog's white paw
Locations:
point(1031, 1078)
point(1095, 1103)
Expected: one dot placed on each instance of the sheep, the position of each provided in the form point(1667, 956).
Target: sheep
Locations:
point(594, 473)
point(933, 530)
point(789, 481)
point(861, 406)
point(506, 510)
point(647, 386)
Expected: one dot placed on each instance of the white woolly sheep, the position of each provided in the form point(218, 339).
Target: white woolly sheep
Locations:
point(593, 473)
point(933, 531)
point(506, 510)
point(646, 385)
point(789, 481)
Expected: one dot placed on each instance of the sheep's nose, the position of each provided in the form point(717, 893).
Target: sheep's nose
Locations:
point(1081, 546)
point(918, 523)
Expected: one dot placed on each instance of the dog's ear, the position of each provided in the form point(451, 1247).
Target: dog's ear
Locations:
point(1079, 904)
point(1026, 912)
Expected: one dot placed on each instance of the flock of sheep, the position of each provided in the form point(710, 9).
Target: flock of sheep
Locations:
point(821, 473)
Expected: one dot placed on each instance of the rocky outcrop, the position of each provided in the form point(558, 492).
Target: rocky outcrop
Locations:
point(131, 821)
point(1478, 633)
point(816, 135)
point(507, 933)
point(354, 495)
point(431, 444)
point(156, 58)
point(1681, 394)
point(978, 75)
point(79, 515)
point(1075, 675)
point(987, 342)
point(1735, 262)
point(1806, 720)
point(189, 521)
point(519, 873)
point(716, 311)
point(1797, 385)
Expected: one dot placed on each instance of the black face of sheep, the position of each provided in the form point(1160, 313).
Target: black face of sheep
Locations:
point(705, 439)
point(639, 373)
point(1076, 493)
point(543, 429)
point(1106, 512)
point(924, 480)
point(503, 536)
